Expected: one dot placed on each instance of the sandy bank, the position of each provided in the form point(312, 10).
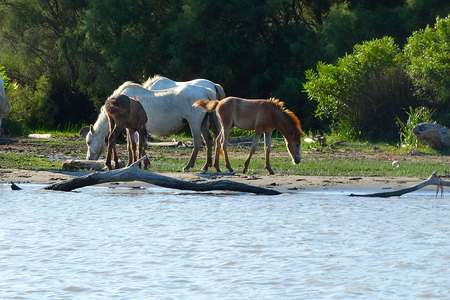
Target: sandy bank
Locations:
point(279, 182)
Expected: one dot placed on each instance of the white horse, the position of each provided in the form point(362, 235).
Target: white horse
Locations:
point(167, 110)
point(159, 82)
point(4, 104)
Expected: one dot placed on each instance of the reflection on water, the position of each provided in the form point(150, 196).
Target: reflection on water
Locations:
point(159, 244)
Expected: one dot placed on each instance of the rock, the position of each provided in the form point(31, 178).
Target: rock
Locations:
point(433, 134)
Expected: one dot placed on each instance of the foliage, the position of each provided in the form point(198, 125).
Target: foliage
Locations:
point(428, 61)
point(4, 77)
point(254, 48)
point(364, 91)
point(28, 104)
point(415, 116)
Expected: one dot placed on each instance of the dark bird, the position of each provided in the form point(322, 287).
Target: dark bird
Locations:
point(15, 187)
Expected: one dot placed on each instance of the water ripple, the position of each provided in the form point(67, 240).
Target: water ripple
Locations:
point(135, 243)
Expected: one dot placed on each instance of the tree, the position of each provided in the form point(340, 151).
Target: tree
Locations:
point(428, 61)
point(40, 41)
point(364, 91)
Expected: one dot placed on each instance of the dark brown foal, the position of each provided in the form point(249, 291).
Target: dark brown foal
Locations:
point(126, 113)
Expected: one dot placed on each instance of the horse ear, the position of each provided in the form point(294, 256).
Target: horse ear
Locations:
point(91, 128)
point(84, 131)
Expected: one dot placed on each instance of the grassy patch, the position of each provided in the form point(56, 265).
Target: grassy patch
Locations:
point(25, 161)
point(338, 158)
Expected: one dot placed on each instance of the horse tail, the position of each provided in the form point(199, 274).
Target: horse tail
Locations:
point(219, 91)
point(206, 104)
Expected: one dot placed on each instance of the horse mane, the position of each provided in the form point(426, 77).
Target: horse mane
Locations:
point(99, 123)
point(124, 86)
point(146, 84)
point(277, 103)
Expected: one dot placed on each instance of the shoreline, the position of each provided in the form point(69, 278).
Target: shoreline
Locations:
point(283, 183)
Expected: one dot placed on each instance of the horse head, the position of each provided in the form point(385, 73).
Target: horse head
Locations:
point(294, 146)
point(293, 133)
point(95, 144)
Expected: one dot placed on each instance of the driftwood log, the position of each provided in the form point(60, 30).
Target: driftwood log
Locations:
point(165, 144)
point(134, 173)
point(432, 180)
point(84, 164)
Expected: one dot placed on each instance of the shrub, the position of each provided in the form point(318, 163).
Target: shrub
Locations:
point(415, 116)
point(364, 91)
point(427, 56)
point(28, 104)
point(4, 76)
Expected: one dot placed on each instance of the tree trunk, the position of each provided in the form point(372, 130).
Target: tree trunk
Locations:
point(133, 173)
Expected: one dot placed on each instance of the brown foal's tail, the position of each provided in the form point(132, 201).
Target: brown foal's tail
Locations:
point(207, 105)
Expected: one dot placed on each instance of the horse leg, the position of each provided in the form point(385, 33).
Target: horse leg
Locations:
point(130, 149)
point(142, 145)
point(224, 149)
point(112, 148)
point(252, 150)
point(267, 148)
point(196, 135)
point(217, 152)
point(208, 142)
point(135, 143)
point(109, 145)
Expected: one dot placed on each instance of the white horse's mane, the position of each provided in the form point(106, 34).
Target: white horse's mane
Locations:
point(124, 85)
point(100, 123)
point(146, 84)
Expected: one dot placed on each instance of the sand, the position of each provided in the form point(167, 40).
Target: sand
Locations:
point(284, 183)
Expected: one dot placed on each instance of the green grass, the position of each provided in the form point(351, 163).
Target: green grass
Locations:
point(338, 158)
point(28, 162)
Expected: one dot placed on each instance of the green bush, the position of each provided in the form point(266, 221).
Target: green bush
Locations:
point(415, 116)
point(4, 76)
point(427, 56)
point(28, 104)
point(364, 91)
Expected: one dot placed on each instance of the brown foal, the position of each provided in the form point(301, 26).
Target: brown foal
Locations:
point(126, 113)
point(260, 115)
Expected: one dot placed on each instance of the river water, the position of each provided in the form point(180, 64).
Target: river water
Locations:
point(155, 243)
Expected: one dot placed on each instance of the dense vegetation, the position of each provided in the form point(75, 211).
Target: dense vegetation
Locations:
point(368, 61)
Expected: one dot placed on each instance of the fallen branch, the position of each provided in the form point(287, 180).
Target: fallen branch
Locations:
point(165, 144)
point(133, 173)
point(432, 180)
point(39, 135)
